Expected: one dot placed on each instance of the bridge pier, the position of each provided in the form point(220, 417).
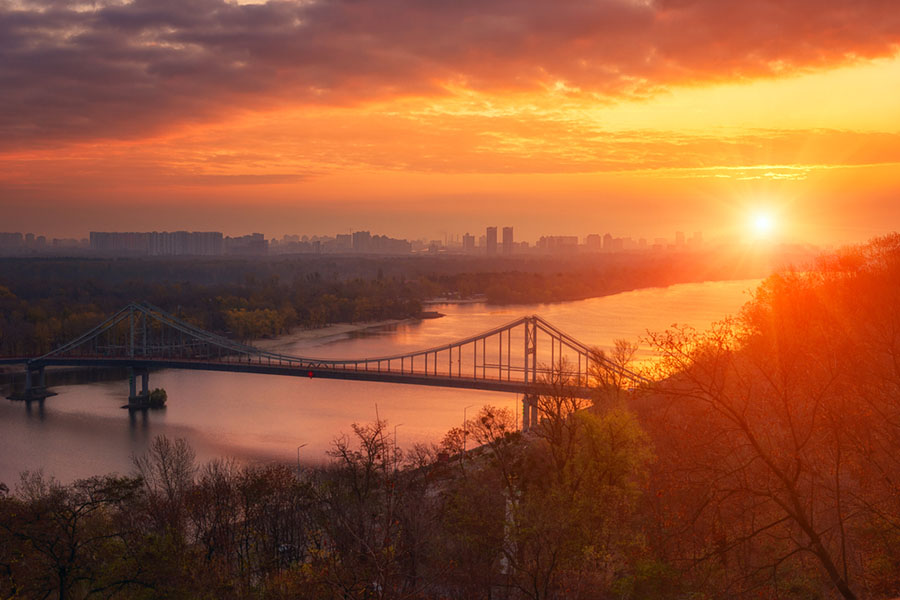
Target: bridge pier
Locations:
point(35, 385)
point(132, 384)
point(136, 400)
point(529, 412)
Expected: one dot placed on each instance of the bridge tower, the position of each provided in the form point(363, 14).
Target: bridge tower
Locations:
point(141, 337)
point(529, 411)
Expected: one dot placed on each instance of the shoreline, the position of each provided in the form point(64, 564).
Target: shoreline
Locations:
point(322, 333)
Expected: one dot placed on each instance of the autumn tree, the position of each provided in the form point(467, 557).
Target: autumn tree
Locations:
point(67, 541)
point(776, 432)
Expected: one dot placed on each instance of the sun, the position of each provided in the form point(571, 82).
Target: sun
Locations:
point(762, 225)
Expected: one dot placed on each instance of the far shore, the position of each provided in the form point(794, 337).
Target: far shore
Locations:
point(286, 340)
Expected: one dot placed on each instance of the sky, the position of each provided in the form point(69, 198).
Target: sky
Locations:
point(424, 118)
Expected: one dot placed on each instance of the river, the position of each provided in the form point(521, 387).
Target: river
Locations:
point(258, 418)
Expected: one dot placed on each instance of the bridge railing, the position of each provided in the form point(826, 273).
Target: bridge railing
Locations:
point(524, 350)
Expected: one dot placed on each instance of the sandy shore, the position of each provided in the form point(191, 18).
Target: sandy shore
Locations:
point(283, 342)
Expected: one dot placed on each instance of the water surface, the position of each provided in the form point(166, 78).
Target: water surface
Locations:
point(83, 431)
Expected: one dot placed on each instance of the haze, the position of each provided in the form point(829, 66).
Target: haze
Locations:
point(415, 118)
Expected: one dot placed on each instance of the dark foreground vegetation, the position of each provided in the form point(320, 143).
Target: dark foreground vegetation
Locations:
point(47, 301)
point(763, 463)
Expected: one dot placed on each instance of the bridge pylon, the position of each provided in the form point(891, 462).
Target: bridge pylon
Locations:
point(525, 356)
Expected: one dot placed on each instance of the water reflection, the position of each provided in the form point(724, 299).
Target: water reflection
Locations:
point(83, 431)
point(35, 409)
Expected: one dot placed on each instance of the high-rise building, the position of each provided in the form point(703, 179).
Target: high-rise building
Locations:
point(679, 239)
point(507, 240)
point(253, 244)
point(491, 241)
point(361, 241)
point(11, 239)
point(558, 243)
point(159, 243)
point(468, 242)
point(607, 242)
point(343, 242)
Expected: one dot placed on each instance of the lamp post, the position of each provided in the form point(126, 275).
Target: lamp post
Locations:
point(298, 459)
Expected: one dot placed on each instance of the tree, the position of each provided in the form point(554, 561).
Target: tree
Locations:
point(357, 498)
point(777, 431)
point(167, 471)
point(67, 540)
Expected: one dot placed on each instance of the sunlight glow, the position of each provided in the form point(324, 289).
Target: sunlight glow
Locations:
point(763, 225)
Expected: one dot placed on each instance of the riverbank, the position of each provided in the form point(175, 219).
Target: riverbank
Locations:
point(337, 330)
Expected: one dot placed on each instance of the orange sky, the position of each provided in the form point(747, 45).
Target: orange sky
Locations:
point(416, 118)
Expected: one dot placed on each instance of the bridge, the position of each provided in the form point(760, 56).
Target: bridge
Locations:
point(528, 356)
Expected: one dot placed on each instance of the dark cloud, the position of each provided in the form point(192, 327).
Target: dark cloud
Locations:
point(100, 70)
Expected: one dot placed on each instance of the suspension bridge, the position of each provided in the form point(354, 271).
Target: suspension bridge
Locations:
point(528, 356)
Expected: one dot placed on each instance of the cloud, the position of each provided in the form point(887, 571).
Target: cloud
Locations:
point(125, 70)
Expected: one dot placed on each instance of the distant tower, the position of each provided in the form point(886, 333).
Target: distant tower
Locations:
point(507, 240)
point(607, 242)
point(468, 243)
point(679, 239)
point(491, 240)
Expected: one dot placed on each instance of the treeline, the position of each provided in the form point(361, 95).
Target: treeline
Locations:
point(762, 463)
point(511, 520)
point(33, 321)
point(46, 302)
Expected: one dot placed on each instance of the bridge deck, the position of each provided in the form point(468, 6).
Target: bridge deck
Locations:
point(472, 383)
point(515, 357)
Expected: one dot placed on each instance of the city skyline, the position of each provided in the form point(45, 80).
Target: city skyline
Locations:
point(290, 116)
point(215, 243)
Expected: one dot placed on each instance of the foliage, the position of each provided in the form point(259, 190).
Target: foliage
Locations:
point(158, 398)
point(762, 463)
point(777, 434)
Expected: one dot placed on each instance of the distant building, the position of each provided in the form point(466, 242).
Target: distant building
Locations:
point(343, 242)
point(594, 242)
point(158, 243)
point(120, 243)
point(508, 243)
point(66, 243)
point(11, 240)
point(679, 239)
point(468, 243)
point(361, 241)
point(254, 244)
point(607, 242)
point(558, 243)
point(491, 241)
point(382, 244)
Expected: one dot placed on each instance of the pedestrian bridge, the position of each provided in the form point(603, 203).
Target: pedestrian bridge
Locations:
point(528, 356)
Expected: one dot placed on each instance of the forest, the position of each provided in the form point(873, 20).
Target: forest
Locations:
point(761, 462)
point(45, 302)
